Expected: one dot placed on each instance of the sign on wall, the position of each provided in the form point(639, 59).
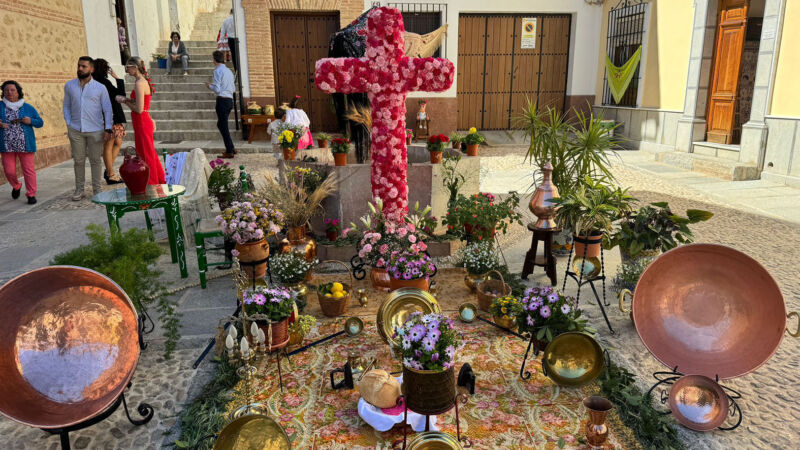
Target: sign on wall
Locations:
point(529, 32)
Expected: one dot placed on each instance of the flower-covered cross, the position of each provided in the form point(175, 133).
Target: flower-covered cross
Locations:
point(386, 75)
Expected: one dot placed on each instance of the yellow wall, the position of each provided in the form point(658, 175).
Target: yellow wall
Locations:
point(785, 95)
point(666, 62)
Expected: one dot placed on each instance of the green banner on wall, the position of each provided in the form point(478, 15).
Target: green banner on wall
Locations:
point(619, 78)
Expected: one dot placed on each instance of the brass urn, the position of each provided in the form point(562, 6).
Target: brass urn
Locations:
point(540, 204)
point(298, 241)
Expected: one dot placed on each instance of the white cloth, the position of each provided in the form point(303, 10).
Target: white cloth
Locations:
point(381, 421)
point(14, 106)
point(227, 30)
point(174, 167)
point(194, 202)
point(296, 116)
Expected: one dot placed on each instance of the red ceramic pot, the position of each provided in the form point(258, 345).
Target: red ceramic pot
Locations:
point(134, 173)
point(436, 157)
point(340, 159)
point(472, 149)
point(332, 235)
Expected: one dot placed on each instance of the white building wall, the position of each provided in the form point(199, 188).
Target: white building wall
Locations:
point(585, 32)
point(187, 11)
point(100, 26)
point(241, 35)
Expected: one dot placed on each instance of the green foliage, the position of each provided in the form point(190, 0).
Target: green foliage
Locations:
point(309, 179)
point(452, 179)
point(592, 206)
point(127, 258)
point(652, 429)
point(457, 137)
point(222, 178)
point(482, 215)
point(505, 306)
point(576, 149)
point(290, 267)
point(323, 136)
point(629, 273)
point(302, 324)
point(656, 227)
point(206, 414)
point(547, 313)
point(473, 137)
point(478, 257)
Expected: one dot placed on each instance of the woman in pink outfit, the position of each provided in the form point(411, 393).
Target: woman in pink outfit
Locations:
point(17, 139)
point(296, 116)
point(143, 124)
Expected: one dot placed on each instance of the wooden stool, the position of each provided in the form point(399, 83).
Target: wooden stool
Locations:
point(549, 262)
point(257, 120)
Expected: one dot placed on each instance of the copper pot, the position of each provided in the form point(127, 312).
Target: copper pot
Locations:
point(540, 204)
point(379, 278)
point(297, 240)
point(596, 429)
point(253, 251)
point(419, 283)
point(589, 244)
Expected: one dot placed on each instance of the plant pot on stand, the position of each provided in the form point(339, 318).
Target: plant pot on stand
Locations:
point(250, 252)
point(276, 334)
point(429, 392)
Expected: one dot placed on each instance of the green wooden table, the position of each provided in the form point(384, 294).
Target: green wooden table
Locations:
point(120, 201)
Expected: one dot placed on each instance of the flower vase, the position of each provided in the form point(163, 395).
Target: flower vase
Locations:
point(288, 154)
point(135, 173)
point(436, 157)
point(250, 252)
point(429, 392)
point(472, 149)
point(596, 429)
point(419, 283)
point(379, 278)
point(340, 159)
point(456, 145)
point(323, 143)
point(332, 235)
point(506, 322)
point(296, 240)
point(276, 334)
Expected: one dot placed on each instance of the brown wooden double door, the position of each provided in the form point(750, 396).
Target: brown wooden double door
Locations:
point(298, 41)
point(496, 75)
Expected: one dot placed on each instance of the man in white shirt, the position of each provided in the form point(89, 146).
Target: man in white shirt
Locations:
point(223, 86)
point(229, 30)
point(88, 114)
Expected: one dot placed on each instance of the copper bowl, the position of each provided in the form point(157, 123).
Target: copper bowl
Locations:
point(698, 402)
point(709, 310)
point(68, 346)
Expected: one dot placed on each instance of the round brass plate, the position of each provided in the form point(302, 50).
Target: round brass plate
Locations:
point(698, 402)
point(394, 311)
point(573, 359)
point(467, 312)
point(353, 326)
point(253, 432)
point(68, 345)
point(434, 440)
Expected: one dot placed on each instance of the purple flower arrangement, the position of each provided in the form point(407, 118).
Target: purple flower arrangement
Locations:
point(547, 313)
point(410, 266)
point(250, 220)
point(428, 342)
point(276, 303)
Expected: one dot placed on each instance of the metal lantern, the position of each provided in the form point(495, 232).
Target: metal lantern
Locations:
point(541, 205)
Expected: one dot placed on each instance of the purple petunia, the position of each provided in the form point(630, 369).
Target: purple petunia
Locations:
point(565, 308)
point(428, 344)
point(545, 311)
point(530, 321)
point(406, 343)
point(552, 298)
point(416, 333)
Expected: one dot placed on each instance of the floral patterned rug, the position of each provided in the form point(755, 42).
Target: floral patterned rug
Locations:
point(504, 412)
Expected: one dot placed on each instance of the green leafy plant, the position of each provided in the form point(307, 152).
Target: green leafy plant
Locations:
point(655, 227)
point(473, 137)
point(479, 216)
point(452, 179)
point(128, 258)
point(323, 136)
point(547, 313)
point(205, 415)
point(652, 429)
point(628, 274)
point(478, 257)
point(158, 56)
point(290, 267)
point(221, 180)
point(505, 307)
point(457, 137)
point(592, 207)
point(302, 324)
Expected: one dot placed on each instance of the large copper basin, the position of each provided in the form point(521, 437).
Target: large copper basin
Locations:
point(68, 346)
point(709, 310)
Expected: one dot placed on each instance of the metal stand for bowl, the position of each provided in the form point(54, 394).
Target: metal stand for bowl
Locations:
point(590, 281)
point(671, 376)
point(458, 398)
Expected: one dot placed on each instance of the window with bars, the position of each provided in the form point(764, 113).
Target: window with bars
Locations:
point(627, 29)
point(422, 18)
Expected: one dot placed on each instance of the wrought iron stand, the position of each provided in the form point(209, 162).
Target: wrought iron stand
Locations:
point(671, 376)
point(590, 281)
point(458, 398)
point(524, 374)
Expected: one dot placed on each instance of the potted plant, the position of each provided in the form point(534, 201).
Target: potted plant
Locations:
point(270, 309)
point(480, 216)
point(332, 229)
point(248, 223)
point(626, 279)
point(547, 313)
point(162, 60)
point(452, 179)
point(653, 229)
point(409, 135)
point(288, 139)
point(221, 182)
point(292, 269)
point(410, 269)
point(456, 138)
point(473, 139)
point(322, 139)
point(436, 145)
point(300, 328)
point(307, 178)
point(339, 148)
point(505, 310)
point(479, 258)
point(589, 211)
point(427, 347)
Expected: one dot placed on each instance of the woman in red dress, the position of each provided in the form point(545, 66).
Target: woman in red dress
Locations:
point(143, 124)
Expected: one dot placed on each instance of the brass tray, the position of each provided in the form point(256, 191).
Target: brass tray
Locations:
point(68, 346)
point(394, 311)
point(709, 310)
point(434, 440)
point(698, 402)
point(573, 359)
point(253, 432)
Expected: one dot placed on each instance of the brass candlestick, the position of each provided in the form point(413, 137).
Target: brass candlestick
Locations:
point(362, 297)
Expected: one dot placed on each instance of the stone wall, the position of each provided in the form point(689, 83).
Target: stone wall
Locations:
point(442, 111)
point(41, 45)
point(641, 128)
point(782, 157)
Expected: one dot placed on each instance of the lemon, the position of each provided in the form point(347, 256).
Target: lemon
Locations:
point(327, 294)
point(338, 294)
point(337, 287)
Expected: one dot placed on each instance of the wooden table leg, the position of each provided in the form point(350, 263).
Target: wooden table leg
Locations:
point(530, 257)
point(250, 136)
point(550, 261)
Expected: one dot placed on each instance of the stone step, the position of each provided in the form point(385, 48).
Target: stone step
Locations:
point(189, 124)
point(190, 43)
point(180, 114)
point(724, 151)
point(161, 77)
point(176, 83)
point(157, 105)
point(187, 96)
point(192, 51)
point(196, 63)
point(206, 70)
point(183, 135)
point(211, 146)
point(716, 167)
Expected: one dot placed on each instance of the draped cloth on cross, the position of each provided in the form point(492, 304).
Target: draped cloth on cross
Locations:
point(386, 75)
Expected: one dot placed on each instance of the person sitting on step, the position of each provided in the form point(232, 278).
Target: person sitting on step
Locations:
point(177, 51)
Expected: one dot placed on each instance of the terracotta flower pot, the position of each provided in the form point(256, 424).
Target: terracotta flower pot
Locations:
point(590, 244)
point(408, 139)
point(297, 240)
point(379, 278)
point(456, 145)
point(340, 159)
point(472, 149)
point(135, 173)
point(253, 251)
point(436, 157)
point(323, 143)
point(419, 283)
point(429, 391)
point(332, 235)
point(288, 154)
point(277, 331)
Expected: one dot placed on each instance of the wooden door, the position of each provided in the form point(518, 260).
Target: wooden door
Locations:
point(298, 41)
point(731, 28)
point(496, 75)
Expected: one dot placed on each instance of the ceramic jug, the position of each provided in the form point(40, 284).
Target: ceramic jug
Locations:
point(134, 172)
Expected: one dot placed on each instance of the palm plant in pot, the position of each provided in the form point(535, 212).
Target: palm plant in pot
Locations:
point(427, 346)
point(270, 309)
